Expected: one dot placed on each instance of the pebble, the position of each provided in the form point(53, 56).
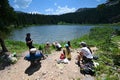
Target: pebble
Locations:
point(44, 73)
point(61, 72)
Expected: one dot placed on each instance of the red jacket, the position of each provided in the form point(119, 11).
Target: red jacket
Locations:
point(62, 56)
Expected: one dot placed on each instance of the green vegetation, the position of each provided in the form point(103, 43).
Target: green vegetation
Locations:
point(108, 53)
point(107, 40)
point(116, 24)
point(7, 14)
point(16, 46)
point(62, 23)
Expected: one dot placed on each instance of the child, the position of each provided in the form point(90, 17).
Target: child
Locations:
point(62, 57)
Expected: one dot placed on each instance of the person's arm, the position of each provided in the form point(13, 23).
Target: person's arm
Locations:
point(81, 54)
point(28, 40)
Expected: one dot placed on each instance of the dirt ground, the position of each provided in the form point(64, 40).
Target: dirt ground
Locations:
point(48, 69)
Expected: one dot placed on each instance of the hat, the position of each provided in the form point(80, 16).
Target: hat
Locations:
point(47, 43)
point(66, 45)
point(83, 43)
point(33, 50)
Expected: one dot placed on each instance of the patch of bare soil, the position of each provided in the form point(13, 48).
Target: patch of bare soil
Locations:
point(47, 69)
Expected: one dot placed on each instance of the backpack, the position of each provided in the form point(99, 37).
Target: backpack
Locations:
point(88, 68)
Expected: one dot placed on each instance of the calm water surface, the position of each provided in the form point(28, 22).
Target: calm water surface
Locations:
point(51, 33)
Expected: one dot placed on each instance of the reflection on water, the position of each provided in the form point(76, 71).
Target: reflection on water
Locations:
point(51, 33)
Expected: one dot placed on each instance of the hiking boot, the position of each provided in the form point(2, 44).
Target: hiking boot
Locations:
point(78, 63)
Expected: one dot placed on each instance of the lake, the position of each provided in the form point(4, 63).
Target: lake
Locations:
point(50, 33)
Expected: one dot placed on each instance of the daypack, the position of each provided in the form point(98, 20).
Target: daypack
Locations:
point(88, 68)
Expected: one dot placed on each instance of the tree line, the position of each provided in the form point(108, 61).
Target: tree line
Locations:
point(103, 13)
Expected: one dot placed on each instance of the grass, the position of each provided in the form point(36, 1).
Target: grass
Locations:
point(108, 53)
point(15, 46)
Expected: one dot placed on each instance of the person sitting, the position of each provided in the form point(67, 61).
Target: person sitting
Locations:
point(34, 55)
point(58, 46)
point(62, 57)
point(85, 54)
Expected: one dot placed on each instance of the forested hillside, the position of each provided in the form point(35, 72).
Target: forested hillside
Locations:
point(108, 12)
point(104, 13)
point(7, 14)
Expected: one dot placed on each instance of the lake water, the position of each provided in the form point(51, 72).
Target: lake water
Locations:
point(50, 33)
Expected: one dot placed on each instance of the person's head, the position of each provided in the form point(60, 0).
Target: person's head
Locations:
point(33, 50)
point(83, 44)
point(28, 34)
point(66, 45)
point(47, 43)
point(67, 48)
point(68, 42)
point(56, 42)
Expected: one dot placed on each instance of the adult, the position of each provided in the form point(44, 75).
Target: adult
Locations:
point(47, 48)
point(85, 53)
point(67, 52)
point(69, 44)
point(29, 41)
point(58, 46)
point(34, 56)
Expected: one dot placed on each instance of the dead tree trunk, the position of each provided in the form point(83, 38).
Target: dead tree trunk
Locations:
point(4, 49)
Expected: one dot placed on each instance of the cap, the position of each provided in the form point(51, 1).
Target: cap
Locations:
point(47, 43)
point(83, 43)
point(33, 50)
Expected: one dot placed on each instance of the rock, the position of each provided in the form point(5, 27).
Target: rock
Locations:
point(118, 70)
point(61, 72)
point(44, 73)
